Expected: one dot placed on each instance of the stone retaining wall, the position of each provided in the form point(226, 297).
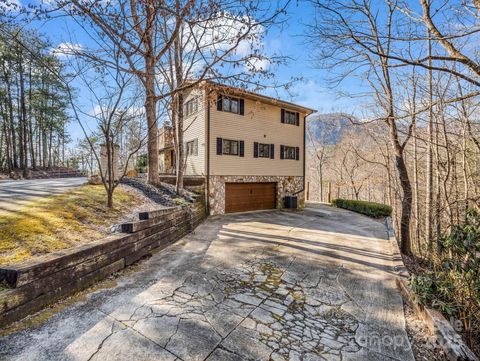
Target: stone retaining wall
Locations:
point(40, 281)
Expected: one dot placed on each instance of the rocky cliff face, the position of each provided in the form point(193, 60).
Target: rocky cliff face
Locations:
point(328, 128)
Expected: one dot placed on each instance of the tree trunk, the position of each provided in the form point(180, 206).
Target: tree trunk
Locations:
point(429, 175)
point(151, 99)
point(23, 125)
point(178, 63)
point(30, 121)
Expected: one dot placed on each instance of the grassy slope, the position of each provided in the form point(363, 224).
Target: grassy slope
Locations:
point(59, 222)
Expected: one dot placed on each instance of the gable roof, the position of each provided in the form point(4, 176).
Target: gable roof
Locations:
point(240, 92)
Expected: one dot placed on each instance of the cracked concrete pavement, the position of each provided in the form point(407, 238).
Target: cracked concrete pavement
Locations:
point(311, 285)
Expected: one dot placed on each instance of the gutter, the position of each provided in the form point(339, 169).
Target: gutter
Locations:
point(304, 151)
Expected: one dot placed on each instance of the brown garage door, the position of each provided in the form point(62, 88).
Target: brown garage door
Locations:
point(241, 197)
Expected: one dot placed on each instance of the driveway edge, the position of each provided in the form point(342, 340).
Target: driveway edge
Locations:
point(446, 336)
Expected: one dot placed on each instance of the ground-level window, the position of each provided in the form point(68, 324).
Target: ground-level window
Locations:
point(190, 147)
point(230, 147)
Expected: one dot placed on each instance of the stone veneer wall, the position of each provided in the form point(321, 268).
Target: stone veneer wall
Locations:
point(286, 185)
point(116, 161)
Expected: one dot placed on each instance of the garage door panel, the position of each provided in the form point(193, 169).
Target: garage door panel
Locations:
point(241, 197)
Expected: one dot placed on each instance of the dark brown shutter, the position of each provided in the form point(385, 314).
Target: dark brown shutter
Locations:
point(272, 151)
point(283, 116)
point(297, 153)
point(242, 107)
point(298, 119)
point(195, 146)
point(219, 146)
point(219, 103)
point(255, 150)
point(282, 151)
point(242, 148)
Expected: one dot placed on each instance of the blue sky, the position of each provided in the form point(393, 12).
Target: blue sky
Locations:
point(313, 91)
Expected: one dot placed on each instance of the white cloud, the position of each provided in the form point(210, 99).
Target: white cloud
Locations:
point(10, 6)
point(257, 64)
point(64, 50)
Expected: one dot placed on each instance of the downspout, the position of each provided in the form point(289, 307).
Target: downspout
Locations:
point(304, 151)
point(304, 155)
point(207, 196)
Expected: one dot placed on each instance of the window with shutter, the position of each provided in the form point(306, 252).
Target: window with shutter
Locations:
point(219, 146)
point(231, 147)
point(289, 117)
point(230, 105)
point(287, 152)
point(263, 150)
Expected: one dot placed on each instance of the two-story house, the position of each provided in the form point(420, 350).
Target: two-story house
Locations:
point(249, 147)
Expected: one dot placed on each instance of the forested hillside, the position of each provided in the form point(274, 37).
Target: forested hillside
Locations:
point(33, 103)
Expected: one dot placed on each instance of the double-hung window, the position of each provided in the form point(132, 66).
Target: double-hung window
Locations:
point(230, 105)
point(263, 150)
point(287, 152)
point(230, 147)
point(191, 107)
point(190, 147)
point(289, 117)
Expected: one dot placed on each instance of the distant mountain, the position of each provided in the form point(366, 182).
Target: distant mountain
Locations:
point(328, 128)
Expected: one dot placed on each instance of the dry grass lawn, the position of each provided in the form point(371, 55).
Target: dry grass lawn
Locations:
point(58, 222)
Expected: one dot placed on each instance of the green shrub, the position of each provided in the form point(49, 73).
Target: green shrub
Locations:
point(370, 209)
point(452, 285)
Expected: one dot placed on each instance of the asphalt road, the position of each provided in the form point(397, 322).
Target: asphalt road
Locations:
point(17, 193)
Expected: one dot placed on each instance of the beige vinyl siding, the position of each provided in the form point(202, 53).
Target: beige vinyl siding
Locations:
point(261, 123)
point(194, 127)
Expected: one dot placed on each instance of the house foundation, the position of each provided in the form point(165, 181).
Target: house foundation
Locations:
point(286, 186)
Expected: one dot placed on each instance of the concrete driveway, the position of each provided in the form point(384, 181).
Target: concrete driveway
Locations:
point(16, 193)
point(312, 285)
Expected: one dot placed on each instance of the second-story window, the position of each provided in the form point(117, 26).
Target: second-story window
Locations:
point(191, 107)
point(287, 152)
point(230, 104)
point(230, 147)
point(289, 117)
point(264, 150)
